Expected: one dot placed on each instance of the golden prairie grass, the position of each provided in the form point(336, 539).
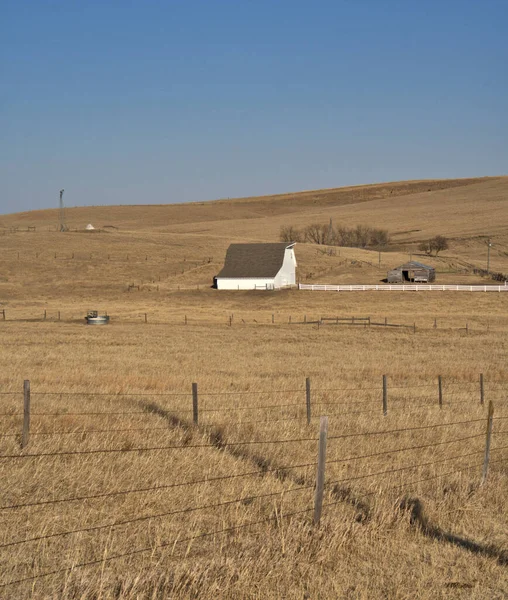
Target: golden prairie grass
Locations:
point(362, 529)
point(195, 480)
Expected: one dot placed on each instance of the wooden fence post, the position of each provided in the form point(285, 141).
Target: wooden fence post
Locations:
point(195, 403)
point(59, 315)
point(305, 318)
point(26, 414)
point(490, 421)
point(386, 321)
point(273, 318)
point(146, 318)
point(385, 396)
point(320, 476)
point(307, 394)
point(289, 320)
point(3, 314)
point(482, 391)
point(440, 390)
point(186, 319)
point(44, 314)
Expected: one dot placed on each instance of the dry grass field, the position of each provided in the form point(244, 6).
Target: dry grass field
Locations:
point(119, 494)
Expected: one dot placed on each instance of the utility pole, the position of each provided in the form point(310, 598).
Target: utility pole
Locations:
point(63, 226)
point(330, 233)
point(488, 256)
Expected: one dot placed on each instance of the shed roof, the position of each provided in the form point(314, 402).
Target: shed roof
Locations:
point(254, 260)
point(413, 264)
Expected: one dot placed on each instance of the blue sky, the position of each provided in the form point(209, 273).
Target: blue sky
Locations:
point(135, 102)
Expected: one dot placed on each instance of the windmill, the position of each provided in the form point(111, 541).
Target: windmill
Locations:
point(63, 225)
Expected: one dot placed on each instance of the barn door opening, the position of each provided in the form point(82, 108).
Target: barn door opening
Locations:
point(405, 275)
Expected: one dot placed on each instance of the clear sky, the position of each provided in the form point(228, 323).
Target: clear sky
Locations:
point(133, 102)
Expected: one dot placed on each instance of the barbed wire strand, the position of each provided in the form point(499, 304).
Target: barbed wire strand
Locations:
point(406, 468)
point(156, 488)
point(404, 429)
point(218, 446)
point(152, 548)
point(250, 422)
point(154, 516)
point(221, 478)
point(209, 534)
point(406, 449)
point(409, 483)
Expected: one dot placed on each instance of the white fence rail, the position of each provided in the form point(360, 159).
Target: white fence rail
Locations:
point(403, 288)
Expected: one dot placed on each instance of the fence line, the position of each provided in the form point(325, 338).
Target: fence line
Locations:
point(144, 318)
point(207, 534)
point(407, 468)
point(403, 288)
point(153, 448)
point(308, 399)
point(159, 487)
point(157, 546)
point(156, 516)
point(302, 484)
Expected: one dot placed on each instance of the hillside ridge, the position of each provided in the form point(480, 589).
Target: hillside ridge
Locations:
point(235, 208)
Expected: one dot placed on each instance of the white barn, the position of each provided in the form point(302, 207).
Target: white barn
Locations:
point(258, 267)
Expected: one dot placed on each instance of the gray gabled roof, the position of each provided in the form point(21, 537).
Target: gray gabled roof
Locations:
point(254, 260)
point(413, 264)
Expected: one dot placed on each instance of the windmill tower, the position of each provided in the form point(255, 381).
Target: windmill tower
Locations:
point(63, 225)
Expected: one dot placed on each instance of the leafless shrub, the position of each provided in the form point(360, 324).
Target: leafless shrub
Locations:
point(436, 244)
point(289, 233)
point(361, 236)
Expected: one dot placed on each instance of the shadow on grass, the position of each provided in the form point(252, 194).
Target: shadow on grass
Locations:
point(217, 437)
point(417, 518)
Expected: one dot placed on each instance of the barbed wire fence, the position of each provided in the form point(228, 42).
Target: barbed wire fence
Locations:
point(306, 411)
point(320, 322)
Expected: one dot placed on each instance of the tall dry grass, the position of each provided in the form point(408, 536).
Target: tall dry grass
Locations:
point(365, 546)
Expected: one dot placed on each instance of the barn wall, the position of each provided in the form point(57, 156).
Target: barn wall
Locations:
point(394, 276)
point(244, 284)
point(287, 273)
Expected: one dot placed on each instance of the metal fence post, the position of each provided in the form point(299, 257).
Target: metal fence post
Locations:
point(385, 396)
point(482, 391)
point(26, 414)
point(440, 388)
point(307, 393)
point(195, 403)
point(320, 477)
point(488, 439)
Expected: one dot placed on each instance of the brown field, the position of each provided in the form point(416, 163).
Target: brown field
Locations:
point(223, 509)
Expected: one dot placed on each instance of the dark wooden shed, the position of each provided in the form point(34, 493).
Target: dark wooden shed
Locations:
point(412, 271)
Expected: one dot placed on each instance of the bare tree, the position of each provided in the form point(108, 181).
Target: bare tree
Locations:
point(289, 233)
point(379, 238)
point(425, 247)
point(316, 233)
point(436, 244)
point(361, 236)
point(439, 243)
